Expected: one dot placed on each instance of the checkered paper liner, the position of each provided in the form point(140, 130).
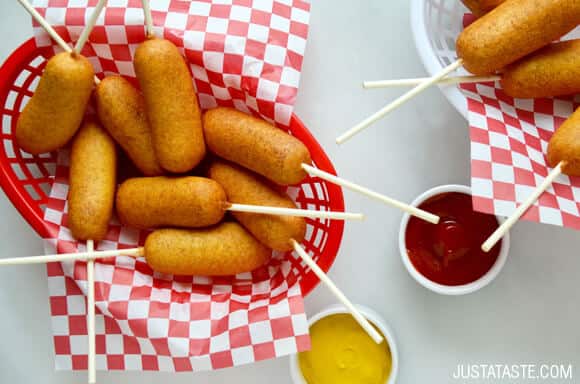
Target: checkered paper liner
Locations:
point(244, 54)
point(150, 321)
point(509, 140)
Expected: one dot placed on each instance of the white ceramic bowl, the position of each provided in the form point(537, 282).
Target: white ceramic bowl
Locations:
point(371, 315)
point(435, 25)
point(450, 289)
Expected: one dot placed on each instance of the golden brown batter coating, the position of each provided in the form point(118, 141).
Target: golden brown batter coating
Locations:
point(171, 102)
point(55, 111)
point(256, 145)
point(552, 71)
point(153, 202)
point(226, 249)
point(481, 7)
point(244, 187)
point(565, 145)
point(121, 110)
point(514, 29)
point(93, 163)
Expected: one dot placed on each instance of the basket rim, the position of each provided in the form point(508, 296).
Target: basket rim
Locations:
point(429, 59)
point(12, 189)
point(35, 219)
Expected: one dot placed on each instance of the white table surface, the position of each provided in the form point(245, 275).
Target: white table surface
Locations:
point(530, 314)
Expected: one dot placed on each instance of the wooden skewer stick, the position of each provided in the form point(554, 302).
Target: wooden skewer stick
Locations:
point(133, 252)
point(51, 32)
point(364, 323)
point(444, 81)
point(520, 210)
point(398, 102)
point(44, 24)
point(414, 211)
point(148, 18)
point(136, 252)
point(89, 27)
point(295, 212)
point(91, 314)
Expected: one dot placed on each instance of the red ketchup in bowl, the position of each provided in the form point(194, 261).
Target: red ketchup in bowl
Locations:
point(449, 253)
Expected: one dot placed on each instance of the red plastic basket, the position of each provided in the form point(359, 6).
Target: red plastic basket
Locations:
point(27, 179)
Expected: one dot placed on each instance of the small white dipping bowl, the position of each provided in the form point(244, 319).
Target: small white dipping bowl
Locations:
point(450, 289)
point(374, 318)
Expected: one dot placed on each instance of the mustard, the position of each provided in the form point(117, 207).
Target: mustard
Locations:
point(342, 352)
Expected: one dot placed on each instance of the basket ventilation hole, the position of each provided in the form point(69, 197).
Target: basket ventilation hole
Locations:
point(450, 42)
point(50, 168)
point(320, 190)
point(9, 148)
point(21, 78)
point(45, 188)
point(11, 99)
point(26, 155)
point(25, 99)
point(33, 84)
point(318, 240)
point(438, 44)
point(17, 169)
point(6, 124)
point(309, 231)
point(32, 192)
point(307, 191)
point(38, 60)
point(34, 171)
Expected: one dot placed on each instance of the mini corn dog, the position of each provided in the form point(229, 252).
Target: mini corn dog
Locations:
point(552, 71)
point(564, 146)
point(242, 186)
point(92, 182)
point(191, 202)
point(153, 202)
point(256, 145)
point(171, 103)
point(512, 30)
point(54, 113)
point(121, 109)
point(226, 249)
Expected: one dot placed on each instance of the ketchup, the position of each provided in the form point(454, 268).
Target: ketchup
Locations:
point(450, 253)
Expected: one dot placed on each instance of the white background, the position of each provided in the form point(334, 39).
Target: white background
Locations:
point(530, 314)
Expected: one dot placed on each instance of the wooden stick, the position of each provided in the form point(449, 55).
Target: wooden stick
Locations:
point(295, 212)
point(398, 102)
point(520, 210)
point(364, 323)
point(51, 32)
point(133, 252)
point(44, 24)
point(89, 27)
point(414, 211)
point(91, 314)
point(419, 80)
point(148, 18)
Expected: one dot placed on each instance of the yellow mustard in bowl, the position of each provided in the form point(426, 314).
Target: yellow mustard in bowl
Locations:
point(342, 352)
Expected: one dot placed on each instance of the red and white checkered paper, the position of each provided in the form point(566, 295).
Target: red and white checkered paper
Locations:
point(509, 140)
point(246, 54)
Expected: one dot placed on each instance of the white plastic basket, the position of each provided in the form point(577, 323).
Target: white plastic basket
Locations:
point(435, 25)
